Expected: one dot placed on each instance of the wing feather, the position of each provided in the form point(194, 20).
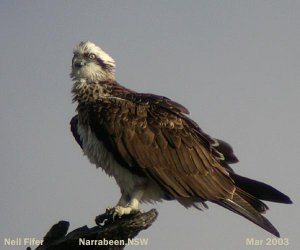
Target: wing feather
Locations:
point(74, 127)
point(152, 136)
point(159, 141)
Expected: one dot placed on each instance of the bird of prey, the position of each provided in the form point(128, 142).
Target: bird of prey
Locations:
point(153, 149)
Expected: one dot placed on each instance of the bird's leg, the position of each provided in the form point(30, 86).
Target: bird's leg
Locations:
point(110, 213)
point(124, 200)
point(126, 206)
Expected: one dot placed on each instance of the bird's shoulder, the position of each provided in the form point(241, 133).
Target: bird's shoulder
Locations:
point(155, 120)
point(133, 109)
point(154, 134)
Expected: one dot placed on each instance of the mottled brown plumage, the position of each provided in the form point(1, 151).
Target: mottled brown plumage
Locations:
point(160, 146)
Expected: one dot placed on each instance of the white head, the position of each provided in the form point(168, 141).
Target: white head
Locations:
point(91, 63)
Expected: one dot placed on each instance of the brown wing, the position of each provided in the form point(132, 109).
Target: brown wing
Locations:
point(165, 146)
point(152, 137)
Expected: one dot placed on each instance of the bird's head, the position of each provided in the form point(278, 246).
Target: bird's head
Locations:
point(91, 63)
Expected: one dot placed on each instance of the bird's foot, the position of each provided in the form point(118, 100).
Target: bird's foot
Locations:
point(119, 211)
point(114, 213)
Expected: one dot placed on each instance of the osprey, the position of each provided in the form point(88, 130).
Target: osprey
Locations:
point(153, 149)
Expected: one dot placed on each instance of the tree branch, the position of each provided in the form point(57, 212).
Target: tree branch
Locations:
point(109, 234)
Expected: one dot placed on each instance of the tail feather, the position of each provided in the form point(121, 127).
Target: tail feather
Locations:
point(240, 206)
point(259, 189)
point(257, 204)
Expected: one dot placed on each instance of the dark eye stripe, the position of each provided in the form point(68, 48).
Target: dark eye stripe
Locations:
point(99, 61)
point(102, 64)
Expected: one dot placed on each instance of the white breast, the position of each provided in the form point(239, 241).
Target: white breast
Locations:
point(102, 158)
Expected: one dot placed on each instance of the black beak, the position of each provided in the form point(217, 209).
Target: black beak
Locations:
point(78, 62)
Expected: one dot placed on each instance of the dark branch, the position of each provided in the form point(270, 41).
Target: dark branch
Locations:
point(119, 231)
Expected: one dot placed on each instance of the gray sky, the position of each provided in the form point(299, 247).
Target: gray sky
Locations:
point(234, 64)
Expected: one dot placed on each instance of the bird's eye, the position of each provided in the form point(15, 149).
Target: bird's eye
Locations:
point(92, 56)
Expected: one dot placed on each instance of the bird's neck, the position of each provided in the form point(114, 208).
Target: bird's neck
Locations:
point(88, 93)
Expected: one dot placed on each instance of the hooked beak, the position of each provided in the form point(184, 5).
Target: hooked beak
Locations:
point(78, 62)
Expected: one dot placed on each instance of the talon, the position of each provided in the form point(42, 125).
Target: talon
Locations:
point(120, 211)
point(117, 212)
point(109, 210)
point(114, 215)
